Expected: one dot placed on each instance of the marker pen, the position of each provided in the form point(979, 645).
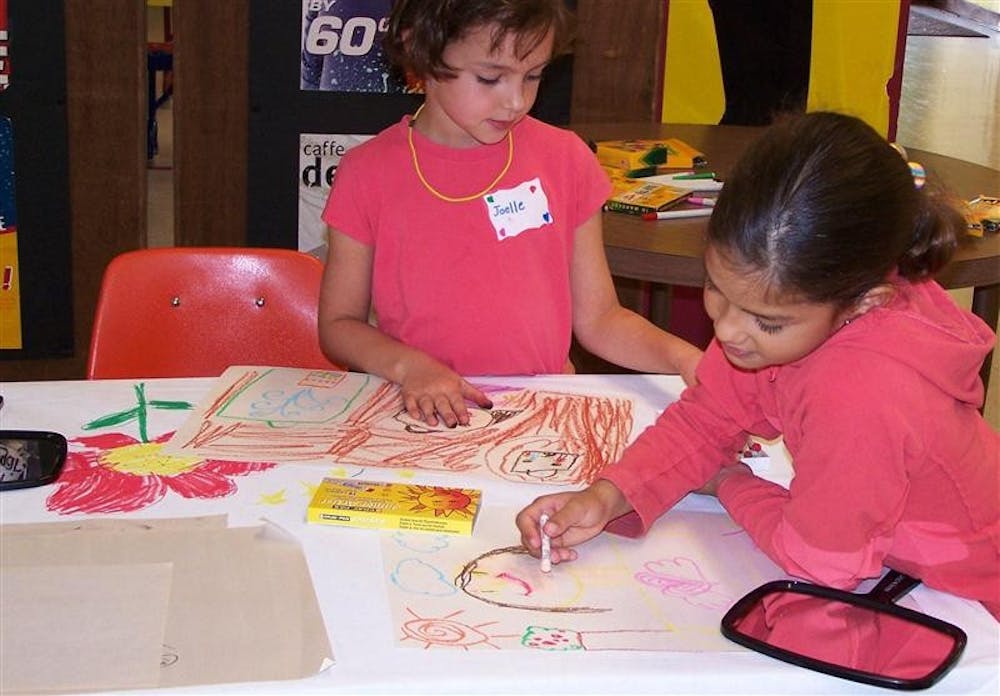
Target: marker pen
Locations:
point(676, 214)
point(695, 175)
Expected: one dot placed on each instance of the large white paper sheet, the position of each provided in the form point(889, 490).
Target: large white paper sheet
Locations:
point(665, 591)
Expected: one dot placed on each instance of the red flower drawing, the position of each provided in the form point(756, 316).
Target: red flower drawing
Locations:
point(117, 473)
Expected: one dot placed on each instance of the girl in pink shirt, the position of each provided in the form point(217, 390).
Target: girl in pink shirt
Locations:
point(829, 332)
point(472, 229)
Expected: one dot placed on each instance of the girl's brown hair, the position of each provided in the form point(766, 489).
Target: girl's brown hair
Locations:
point(821, 206)
point(419, 30)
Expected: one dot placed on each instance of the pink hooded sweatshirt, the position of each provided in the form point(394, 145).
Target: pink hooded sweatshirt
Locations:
point(894, 466)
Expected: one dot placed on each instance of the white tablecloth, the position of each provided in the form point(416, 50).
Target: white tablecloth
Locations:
point(349, 579)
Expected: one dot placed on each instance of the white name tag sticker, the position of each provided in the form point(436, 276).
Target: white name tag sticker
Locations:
point(515, 210)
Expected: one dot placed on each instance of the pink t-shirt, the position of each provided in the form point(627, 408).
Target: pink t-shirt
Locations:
point(483, 285)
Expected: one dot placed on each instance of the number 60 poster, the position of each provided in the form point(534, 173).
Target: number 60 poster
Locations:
point(342, 47)
point(341, 51)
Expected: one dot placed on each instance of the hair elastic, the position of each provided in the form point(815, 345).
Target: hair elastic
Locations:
point(917, 170)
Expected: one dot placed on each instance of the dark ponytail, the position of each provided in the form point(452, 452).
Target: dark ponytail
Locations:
point(936, 232)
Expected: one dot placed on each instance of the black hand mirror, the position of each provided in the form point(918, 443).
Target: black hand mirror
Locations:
point(30, 458)
point(865, 638)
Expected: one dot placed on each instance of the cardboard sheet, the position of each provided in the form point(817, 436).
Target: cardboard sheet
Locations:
point(241, 604)
point(42, 621)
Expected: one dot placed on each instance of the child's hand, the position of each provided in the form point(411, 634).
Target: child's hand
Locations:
point(431, 391)
point(573, 518)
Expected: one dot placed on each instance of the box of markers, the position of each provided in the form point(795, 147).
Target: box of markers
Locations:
point(637, 197)
point(644, 157)
point(403, 506)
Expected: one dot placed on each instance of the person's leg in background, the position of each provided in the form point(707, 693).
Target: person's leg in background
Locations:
point(764, 51)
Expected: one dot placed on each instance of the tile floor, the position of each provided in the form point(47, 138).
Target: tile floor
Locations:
point(950, 92)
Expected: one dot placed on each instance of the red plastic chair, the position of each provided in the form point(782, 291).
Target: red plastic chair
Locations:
point(193, 312)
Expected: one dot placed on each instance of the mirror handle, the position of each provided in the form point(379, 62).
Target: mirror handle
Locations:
point(892, 587)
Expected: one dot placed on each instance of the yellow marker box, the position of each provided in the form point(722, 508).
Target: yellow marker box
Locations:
point(405, 506)
point(642, 157)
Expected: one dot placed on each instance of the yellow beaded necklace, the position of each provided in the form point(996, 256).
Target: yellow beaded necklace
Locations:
point(458, 199)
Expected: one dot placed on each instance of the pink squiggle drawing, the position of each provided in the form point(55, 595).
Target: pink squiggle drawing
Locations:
point(518, 581)
point(681, 577)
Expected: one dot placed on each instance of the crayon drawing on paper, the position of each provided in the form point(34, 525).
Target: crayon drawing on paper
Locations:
point(122, 465)
point(666, 591)
point(289, 414)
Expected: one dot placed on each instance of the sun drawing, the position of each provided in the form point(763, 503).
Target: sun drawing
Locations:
point(445, 502)
point(446, 632)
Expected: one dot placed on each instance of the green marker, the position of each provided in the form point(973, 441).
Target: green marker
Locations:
point(699, 175)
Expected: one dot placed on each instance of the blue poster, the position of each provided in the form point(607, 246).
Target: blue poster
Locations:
point(342, 47)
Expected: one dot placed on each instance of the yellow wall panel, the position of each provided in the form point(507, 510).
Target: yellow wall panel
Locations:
point(692, 79)
point(853, 56)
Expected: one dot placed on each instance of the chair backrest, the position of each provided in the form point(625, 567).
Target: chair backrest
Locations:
point(194, 311)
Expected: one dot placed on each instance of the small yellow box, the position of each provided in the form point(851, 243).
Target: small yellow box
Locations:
point(982, 214)
point(405, 506)
point(644, 157)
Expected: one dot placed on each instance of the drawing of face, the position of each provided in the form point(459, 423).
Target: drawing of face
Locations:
point(542, 465)
point(537, 458)
point(510, 578)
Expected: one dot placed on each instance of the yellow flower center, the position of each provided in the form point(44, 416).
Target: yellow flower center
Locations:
point(144, 459)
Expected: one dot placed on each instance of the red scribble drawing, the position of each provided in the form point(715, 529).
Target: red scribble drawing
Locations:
point(115, 472)
point(533, 436)
point(681, 577)
point(445, 632)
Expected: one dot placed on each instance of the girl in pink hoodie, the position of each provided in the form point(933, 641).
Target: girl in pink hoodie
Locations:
point(829, 332)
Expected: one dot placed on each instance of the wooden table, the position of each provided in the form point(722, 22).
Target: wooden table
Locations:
point(670, 251)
